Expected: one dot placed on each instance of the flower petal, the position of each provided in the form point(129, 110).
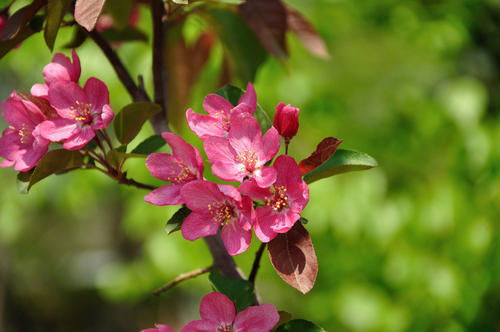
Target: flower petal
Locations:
point(204, 125)
point(198, 194)
point(40, 90)
point(165, 195)
point(257, 318)
point(217, 307)
point(283, 222)
point(263, 225)
point(97, 92)
point(270, 144)
point(198, 225)
point(61, 69)
point(105, 119)
point(265, 176)
point(250, 188)
point(214, 104)
point(200, 326)
point(80, 139)
point(249, 97)
point(163, 166)
point(58, 129)
point(184, 151)
point(235, 238)
point(63, 96)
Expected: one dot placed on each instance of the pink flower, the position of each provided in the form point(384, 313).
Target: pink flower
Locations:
point(219, 314)
point(182, 166)
point(21, 144)
point(81, 111)
point(286, 120)
point(244, 152)
point(284, 200)
point(59, 69)
point(159, 328)
point(214, 206)
point(220, 114)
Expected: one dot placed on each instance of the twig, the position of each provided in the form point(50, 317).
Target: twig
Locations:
point(124, 76)
point(256, 264)
point(160, 121)
point(181, 278)
point(132, 182)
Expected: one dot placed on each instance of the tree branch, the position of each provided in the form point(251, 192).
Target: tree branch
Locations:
point(223, 262)
point(256, 263)
point(135, 92)
point(181, 278)
point(160, 121)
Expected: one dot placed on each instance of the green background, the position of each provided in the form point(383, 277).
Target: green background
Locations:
point(409, 246)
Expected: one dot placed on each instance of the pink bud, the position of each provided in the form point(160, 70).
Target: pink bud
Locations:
point(286, 120)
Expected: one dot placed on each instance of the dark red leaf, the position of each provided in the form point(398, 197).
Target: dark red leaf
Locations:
point(20, 19)
point(306, 33)
point(268, 20)
point(293, 257)
point(42, 103)
point(87, 12)
point(325, 149)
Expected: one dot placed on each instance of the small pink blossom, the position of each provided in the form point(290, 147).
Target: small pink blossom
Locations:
point(81, 111)
point(284, 200)
point(214, 206)
point(159, 328)
point(21, 144)
point(61, 68)
point(219, 314)
point(182, 166)
point(244, 152)
point(220, 114)
point(286, 120)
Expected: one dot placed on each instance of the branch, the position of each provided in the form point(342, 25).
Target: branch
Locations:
point(181, 278)
point(223, 262)
point(135, 92)
point(256, 264)
point(131, 182)
point(160, 121)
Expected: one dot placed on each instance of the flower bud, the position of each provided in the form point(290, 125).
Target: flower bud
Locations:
point(286, 120)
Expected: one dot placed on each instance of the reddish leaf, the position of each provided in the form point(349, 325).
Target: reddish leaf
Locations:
point(42, 103)
point(293, 257)
point(325, 149)
point(268, 20)
point(20, 19)
point(87, 12)
point(306, 33)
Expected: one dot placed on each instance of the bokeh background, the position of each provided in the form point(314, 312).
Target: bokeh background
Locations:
point(409, 246)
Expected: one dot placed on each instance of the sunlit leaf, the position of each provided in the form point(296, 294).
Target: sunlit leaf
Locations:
point(132, 117)
point(53, 162)
point(294, 259)
point(55, 13)
point(299, 325)
point(149, 145)
point(342, 161)
point(240, 291)
point(87, 12)
point(174, 224)
point(325, 149)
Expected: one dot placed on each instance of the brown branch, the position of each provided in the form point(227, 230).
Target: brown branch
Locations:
point(135, 92)
point(256, 263)
point(223, 262)
point(160, 121)
point(181, 278)
point(132, 182)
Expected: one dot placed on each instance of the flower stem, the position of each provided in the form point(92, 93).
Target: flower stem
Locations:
point(181, 278)
point(256, 263)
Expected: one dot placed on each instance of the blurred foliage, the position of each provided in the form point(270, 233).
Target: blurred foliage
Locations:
point(409, 246)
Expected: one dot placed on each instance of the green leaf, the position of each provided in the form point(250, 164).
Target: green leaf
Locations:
point(132, 117)
point(53, 162)
point(125, 34)
point(244, 50)
point(116, 157)
point(232, 2)
point(299, 325)
point(180, 2)
point(149, 145)
point(233, 94)
point(342, 161)
point(23, 181)
point(241, 292)
point(55, 13)
point(79, 36)
point(174, 224)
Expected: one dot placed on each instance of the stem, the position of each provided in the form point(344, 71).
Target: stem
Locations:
point(124, 76)
point(223, 262)
point(287, 142)
point(107, 139)
point(132, 182)
point(160, 121)
point(256, 263)
point(181, 278)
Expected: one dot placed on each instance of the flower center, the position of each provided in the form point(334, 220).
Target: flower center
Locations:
point(224, 119)
point(24, 134)
point(279, 200)
point(225, 328)
point(221, 213)
point(248, 159)
point(82, 112)
point(181, 175)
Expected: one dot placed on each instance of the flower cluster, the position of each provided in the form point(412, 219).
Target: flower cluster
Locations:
point(271, 195)
point(219, 314)
point(59, 110)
